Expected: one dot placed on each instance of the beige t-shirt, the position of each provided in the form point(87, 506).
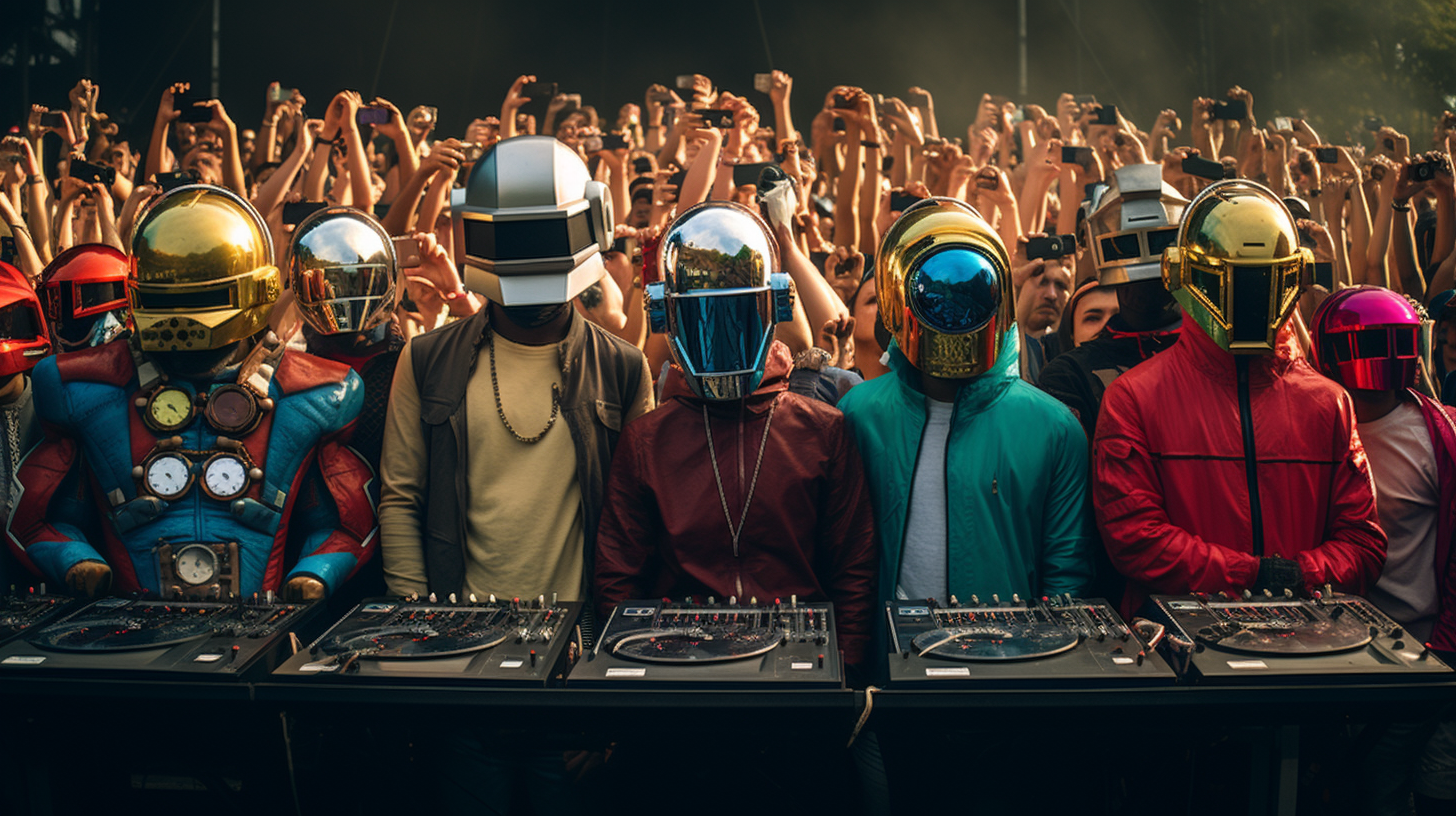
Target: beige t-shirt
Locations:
point(524, 527)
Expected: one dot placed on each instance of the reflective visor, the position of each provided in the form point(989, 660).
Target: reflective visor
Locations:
point(955, 291)
point(722, 332)
point(19, 321)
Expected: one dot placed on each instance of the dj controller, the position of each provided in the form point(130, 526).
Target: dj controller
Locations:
point(1063, 640)
point(22, 611)
point(1330, 637)
point(501, 643)
point(161, 639)
point(662, 644)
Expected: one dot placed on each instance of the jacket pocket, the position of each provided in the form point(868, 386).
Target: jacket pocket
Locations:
point(435, 411)
point(609, 415)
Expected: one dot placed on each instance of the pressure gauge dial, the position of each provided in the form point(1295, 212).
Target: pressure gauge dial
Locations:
point(232, 409)
point(224, 476)
point(195, 564)
point(167, 475)
point(168, 409)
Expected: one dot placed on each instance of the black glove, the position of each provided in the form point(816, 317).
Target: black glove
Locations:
point(1278, 574)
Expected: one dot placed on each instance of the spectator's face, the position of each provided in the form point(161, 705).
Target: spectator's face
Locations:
point(1044, 297)
point(204, 160)
point(566, 131)
point(640, 214)
point(1092, 313)
point(866, 311)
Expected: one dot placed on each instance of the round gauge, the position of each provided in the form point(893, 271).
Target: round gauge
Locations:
point(168, 475)
point(232, 409)
point(169, 409)
point(196, 564)
point(225, 476)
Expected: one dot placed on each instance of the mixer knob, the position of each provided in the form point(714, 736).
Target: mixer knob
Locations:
point(1268, 594)
point(995, 599)
point(1016, 599)
point(954, 601)
point(492, 600)
point(1329, 591)
point(794, 601)
point(711, 600)
point(452, 599)
point(540, 601)
point(975, 600)
point(472, 598)
point(1288, 593)
point(553, 600)
point(1248, 595)
point(733, 600)
point(753, 601)
point(432, 597)
point(1396, 632)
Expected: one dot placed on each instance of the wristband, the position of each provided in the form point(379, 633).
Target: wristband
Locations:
point(1399, 208)
point(870, 144)
point(1315, 192)
point(34, 178)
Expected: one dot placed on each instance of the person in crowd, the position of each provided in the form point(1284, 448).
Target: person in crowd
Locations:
point(1204, 479)
point(1367, 339)
point(966, 503)
point(24, 341)
point(793, 520)
point(495, 469)
point(1041, 300)
point(83, 292)
point(217, 424)
point(1131, 221)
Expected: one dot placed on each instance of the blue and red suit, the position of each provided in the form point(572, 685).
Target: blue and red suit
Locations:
point(314, 491)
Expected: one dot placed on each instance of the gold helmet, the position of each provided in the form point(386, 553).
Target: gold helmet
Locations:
point(944, 282)
point(205, 278)
point(1238, 268)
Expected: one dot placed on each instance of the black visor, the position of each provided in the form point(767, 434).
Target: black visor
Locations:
point(519, 240)
point(19, 321)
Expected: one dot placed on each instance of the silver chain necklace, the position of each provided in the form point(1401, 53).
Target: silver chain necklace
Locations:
point(718, 477)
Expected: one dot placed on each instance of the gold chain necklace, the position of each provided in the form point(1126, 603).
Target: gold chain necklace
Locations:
point(495, 388)
point(718, 477)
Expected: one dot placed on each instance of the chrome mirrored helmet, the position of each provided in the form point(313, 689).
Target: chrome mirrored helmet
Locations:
point(84, 294)
point(341, 268)
point(1367, 337)
point(944, 283)
point(203, 262)
point(720, 294)
point(1238, 268)
point(531, 224)
point(1132, 220)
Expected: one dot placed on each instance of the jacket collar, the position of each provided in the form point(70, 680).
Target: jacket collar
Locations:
point(1218, 363)
point(777, 367)
point(977, 393)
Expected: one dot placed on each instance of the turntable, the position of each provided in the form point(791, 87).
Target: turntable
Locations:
point(172, 639)
point(706, 645)
point(22, 611)
point(1268, 638)
point(1064, 640)
point(507, 643)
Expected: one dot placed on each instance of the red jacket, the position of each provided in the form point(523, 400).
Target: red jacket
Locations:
point(1441, 423)
point(809, 530)
point(1171, 487)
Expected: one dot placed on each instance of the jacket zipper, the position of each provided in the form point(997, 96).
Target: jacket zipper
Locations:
point(945, 474)
point(1251, 459)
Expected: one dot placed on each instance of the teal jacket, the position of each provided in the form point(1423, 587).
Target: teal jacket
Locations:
point(1016, 471)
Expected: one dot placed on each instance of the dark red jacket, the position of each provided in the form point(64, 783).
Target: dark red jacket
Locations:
point(1171, 487)
point(809, 530)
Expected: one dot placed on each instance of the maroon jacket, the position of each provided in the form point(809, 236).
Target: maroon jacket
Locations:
point(1441, 423)
point(809, 531)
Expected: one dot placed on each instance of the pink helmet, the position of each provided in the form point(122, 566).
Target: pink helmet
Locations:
point(1366, 337)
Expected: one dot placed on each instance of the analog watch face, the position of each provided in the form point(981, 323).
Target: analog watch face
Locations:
point(167, 476)
point(230, 408)
point(171, 408)
point(196, 564)
point(225, 476)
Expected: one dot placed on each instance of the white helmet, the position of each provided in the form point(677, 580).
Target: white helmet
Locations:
point(530, 224)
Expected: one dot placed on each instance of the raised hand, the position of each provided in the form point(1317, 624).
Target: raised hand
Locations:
point(166, 109)
point(781, 85)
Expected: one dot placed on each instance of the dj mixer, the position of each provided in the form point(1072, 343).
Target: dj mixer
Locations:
point(660, 644)
point(161, 639)
point(390, 640)
point(23, 611)
point(1269, 638)
point(1054, 641)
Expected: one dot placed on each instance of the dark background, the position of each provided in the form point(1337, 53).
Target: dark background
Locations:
point(1339, 59)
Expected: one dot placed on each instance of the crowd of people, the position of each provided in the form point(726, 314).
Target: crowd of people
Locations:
point(727, 357)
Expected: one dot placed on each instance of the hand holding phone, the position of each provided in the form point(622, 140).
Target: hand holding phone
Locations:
point(294, 212)
point(1326, 155)
point(406, 252)
point(1050, 246)
point(1234, 110)
point(1203, 168)
point(92, 173)
point(721, 119)
point(763, 83)
point(1076, 155)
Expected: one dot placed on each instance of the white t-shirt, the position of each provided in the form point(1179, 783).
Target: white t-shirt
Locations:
point(923, 557)
point(1407, 495)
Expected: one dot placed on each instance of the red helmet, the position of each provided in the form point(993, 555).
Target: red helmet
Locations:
point(23, 336)
point(79, 289)
point(1367, 337)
